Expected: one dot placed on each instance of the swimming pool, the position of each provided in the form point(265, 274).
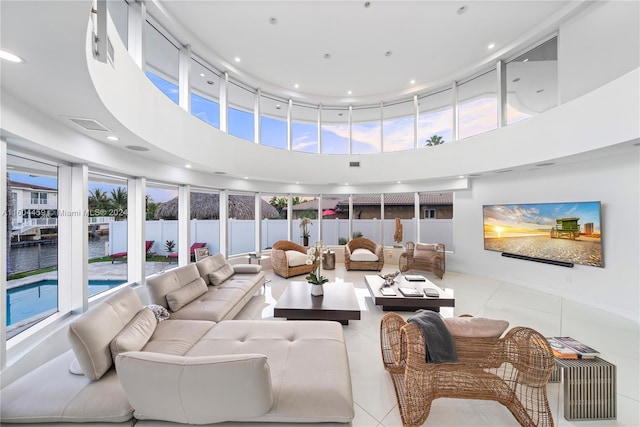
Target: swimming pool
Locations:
point(24, 302)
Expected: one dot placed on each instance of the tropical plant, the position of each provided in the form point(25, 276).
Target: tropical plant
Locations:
point(304, 224)
point(169, 245)
point(280, 203)
point(118, 202)
point(356, 234)
point(150, 208)
point(434, 140)
point(342, 241)
point(98, 199)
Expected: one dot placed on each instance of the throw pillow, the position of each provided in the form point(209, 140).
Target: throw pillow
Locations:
point(221, 274)
point(187, 293)
point(135, 334)
point(295, 258)
point(362, 254)
point(209, 264)
point(247, 268)
point(160, 312)
point(478, 327)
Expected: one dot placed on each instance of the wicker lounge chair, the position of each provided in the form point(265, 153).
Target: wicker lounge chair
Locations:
point(280, 263)
point(513, 370)
point(430, 257)
point(363, 243)
point(122, 256)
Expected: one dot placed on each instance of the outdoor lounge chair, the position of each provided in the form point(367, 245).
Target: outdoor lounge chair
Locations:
point(122, 256)
point(192, 251)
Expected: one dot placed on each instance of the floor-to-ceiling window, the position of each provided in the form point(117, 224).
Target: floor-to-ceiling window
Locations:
point(274, 229)
point(205, 218)
point(367, 217)
point(399, 218)
point(107, 206)
point(32, 244)
point(436, 218)
point(161, 226)
point(335, 219)
point(241, 224)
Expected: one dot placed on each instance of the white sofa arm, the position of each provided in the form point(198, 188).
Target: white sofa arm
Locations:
point(195, 390)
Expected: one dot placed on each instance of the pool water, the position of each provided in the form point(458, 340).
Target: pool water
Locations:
point(24, 302)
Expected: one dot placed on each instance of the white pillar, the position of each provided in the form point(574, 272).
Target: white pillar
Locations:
point(137, 18)
point(136, 221)
point(184, 78)
point(184, 224)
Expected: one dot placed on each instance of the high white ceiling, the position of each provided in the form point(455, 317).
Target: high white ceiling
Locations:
point(376, 48)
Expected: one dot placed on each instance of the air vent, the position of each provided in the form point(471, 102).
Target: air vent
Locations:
point(354, 164)
point(89, 124)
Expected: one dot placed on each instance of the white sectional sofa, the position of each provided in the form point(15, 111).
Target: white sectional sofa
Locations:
point(128, 367)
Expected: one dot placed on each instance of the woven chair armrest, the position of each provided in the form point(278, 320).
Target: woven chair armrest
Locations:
point(529, 352)
point(380, 251)
point(392, 344)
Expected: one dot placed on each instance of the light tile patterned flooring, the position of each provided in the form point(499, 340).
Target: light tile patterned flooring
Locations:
point(618, 340)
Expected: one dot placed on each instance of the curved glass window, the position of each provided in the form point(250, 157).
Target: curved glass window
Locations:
point(435, 118)
point(398, 126)
point(532, 82)
point(365, 130)
point(335, 130)
point(241, 111)
point(161, 61)
point(304, 128)
point(273, 121)
point(478, 105)
point(241, 224)
point(205, 93)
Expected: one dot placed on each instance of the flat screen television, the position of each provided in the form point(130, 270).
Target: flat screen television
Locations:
point(568, 233)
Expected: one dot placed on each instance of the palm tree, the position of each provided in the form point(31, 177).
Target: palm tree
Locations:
point(118, 203)
point(434, 140)
point(150, 207)
point(98, 199)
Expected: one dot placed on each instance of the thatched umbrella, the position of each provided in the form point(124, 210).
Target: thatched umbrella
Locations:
point(207, 206)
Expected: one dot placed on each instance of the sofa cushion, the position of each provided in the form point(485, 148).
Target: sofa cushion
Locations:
point(196, 390)
point(209, 264)
point(292, 348)
point(479, 327)
point(221, 274)
point(161, 284)
point(184, 295)
point(295, 258)
point(362, 254)
point(177, 336)
point(135, 334)
point(247, 268)
point(91, 334)
point(50, 394)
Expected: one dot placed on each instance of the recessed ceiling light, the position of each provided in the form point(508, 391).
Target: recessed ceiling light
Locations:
point(246, 177)
point(11, 57)
point(516, 80)
point(462, 9)
point(209, 82)
point(388, 53)
point(278, 106)
point(491, 46)
point(201, 74)
point(460, 176)
point(296, 85)
point(273, 20)
point(349, 92)
point(237, 59)
point(113, 138)
point(327, 55)
point(340, 114)
point(412, 81)
point(525, 60)
point(398, 182)
point(346, 183)
point(188, 166)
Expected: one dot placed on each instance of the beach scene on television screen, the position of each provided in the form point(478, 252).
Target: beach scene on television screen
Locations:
point(567, 232)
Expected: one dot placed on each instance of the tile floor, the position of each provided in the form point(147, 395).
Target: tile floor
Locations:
point(375, 404)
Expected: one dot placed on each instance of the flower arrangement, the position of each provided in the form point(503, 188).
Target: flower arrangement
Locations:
point(314, 257)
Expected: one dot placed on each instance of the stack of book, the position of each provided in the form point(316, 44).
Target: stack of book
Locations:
point(569, 348)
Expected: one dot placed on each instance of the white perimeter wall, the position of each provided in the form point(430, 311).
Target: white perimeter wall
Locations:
point(613, 180)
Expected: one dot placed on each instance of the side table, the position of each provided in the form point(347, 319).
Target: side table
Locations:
point(258, 259)
point(589, 388)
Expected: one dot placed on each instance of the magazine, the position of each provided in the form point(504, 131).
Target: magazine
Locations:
point(414, 278)
point(560, 350)
point(584, 351)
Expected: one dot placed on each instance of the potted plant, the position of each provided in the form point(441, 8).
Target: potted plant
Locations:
point(169, 245)
point(305, 231)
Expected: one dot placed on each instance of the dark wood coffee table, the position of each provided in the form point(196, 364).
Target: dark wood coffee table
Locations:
point(338, 303)
point(399, 302)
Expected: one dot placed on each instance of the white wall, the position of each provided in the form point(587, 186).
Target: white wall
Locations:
point(598, 46)
point(613, 180)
